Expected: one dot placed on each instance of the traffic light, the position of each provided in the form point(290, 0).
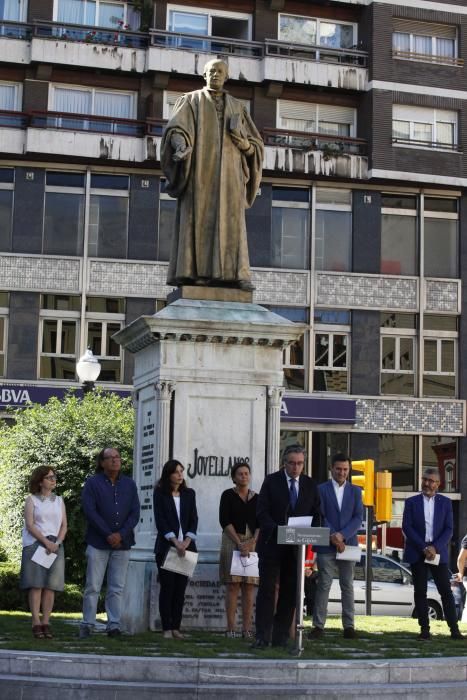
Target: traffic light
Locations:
point(383, 511)
point(366, 481)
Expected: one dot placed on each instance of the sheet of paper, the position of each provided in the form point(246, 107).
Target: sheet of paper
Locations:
point(301, 521)
point(350, 554)
point(433, 562)
point(180, 565)
point(44, 558)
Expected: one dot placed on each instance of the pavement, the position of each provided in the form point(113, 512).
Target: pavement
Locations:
point(55, 676)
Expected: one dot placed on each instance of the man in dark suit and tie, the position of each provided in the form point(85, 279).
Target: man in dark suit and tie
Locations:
point(283, 494)
point(342, 510)
point(427, 528)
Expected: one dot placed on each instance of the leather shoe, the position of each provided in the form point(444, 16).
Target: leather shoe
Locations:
point(424, 636)
point(259, 644)
point(316, 633)
point(456, 634)
point(349, 633)
point(280, 644)
point(114, 632)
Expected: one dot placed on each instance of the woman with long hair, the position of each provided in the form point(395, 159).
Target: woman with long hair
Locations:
point(45, 525)
point(237, 517)
point(176, 521)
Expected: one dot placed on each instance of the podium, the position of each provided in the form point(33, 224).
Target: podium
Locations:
point(300, 537)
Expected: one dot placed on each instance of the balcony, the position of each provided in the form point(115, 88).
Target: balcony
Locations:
point(12, 135)
point(256, 61)
point(14, 42)
point(428, 58)
point(431, 145)
point(76, 45)
point(315, 154)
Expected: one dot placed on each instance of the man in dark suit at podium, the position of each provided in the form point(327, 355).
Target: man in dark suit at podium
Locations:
point(283, 494)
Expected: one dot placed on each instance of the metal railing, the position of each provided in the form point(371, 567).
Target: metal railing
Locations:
point(428, 57)
point(331, 145)
point(206, 44)
point(17, 120)
point(90, 35)
point(88, 123)
point(323, 54)
point(155, 127)
point(440, 145)
point(15, 30)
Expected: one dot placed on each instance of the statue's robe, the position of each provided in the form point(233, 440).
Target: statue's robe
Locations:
point(213, 185)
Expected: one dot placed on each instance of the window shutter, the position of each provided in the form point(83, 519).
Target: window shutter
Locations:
point(443, 31)
point(336, 114)
point(297, 110)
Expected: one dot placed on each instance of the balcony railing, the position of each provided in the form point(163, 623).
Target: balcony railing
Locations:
point(90, 35)
point(305, 52)
point(332, 146)
point(17, 120)
point(14, 30)
point(428, 57)
point(206, 44)
point(438, 145)
point(155, 127)
point(88, 123)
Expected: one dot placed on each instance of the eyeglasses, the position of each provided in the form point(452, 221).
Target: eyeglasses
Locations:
point(295, 464)
point(430, 481)
point(51, 477)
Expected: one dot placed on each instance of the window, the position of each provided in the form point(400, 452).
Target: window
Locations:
point(294, 358)
point(108, 216)
point(399, 252)
point(104, 318)
point(4, 303)
point(10, 96)
point(58, 337)
point(424, 127)
point(333, 230)
point(290, 228)
point(423, 41)
point(6, 207)
point(91, 101)
point(441, 237)
point(99, 13)
point(190, 20)
point(397, 455)
point(316, 118)
point(331, 352)
point(398, 352)
point(13, 11)
point(317, 32)
point(64, 213)
point(441, 452)
point(440, 355)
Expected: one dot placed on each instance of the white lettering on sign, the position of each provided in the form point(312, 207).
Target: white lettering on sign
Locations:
point(284, 408)
point(14, 396)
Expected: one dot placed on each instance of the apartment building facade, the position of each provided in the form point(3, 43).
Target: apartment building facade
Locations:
point(358, 230)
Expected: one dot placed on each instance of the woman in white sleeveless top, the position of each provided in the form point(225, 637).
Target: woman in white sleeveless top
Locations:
point(45, 525)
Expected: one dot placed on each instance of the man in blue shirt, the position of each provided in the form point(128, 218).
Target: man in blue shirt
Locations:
point(111, 507)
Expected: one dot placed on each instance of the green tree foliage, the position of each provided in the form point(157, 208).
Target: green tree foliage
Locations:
point(67, 435)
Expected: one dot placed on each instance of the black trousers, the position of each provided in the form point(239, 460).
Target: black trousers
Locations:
point(281, 569)
point(441, 577)
point(171, 596)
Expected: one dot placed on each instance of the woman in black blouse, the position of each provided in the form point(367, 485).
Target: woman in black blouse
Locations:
point(237, 516)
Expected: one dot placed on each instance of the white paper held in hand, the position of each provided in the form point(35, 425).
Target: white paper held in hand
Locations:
point(44, 558)
point(180, 565)
point(350, 554)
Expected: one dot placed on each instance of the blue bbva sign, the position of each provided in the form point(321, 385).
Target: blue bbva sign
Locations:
point(313, 409)
point(20, 395)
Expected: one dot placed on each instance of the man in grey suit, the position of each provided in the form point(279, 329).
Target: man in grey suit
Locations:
point(342, 511)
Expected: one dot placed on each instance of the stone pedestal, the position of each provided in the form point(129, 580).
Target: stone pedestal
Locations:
point(208, 384)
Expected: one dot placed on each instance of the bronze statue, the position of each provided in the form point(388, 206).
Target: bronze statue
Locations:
point(212, 156)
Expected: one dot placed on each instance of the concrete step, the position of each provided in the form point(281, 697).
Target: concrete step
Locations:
point(55, 676)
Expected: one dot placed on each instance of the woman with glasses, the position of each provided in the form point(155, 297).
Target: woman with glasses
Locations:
point(45, 526)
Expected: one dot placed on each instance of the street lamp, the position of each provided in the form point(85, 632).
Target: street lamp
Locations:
point(88, 369)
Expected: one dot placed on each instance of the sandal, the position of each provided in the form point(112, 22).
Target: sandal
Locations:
point(37, 632)
point(47, 632)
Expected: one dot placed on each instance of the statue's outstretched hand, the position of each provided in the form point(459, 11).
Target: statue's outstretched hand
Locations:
point(180, 146)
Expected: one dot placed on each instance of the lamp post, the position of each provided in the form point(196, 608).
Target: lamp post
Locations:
point(88, 369)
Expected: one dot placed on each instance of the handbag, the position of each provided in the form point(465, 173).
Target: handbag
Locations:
point(244, 566)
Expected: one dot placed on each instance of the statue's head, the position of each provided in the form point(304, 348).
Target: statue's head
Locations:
point(215, 73)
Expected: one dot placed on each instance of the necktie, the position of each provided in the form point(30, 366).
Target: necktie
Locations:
point(293, 493)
